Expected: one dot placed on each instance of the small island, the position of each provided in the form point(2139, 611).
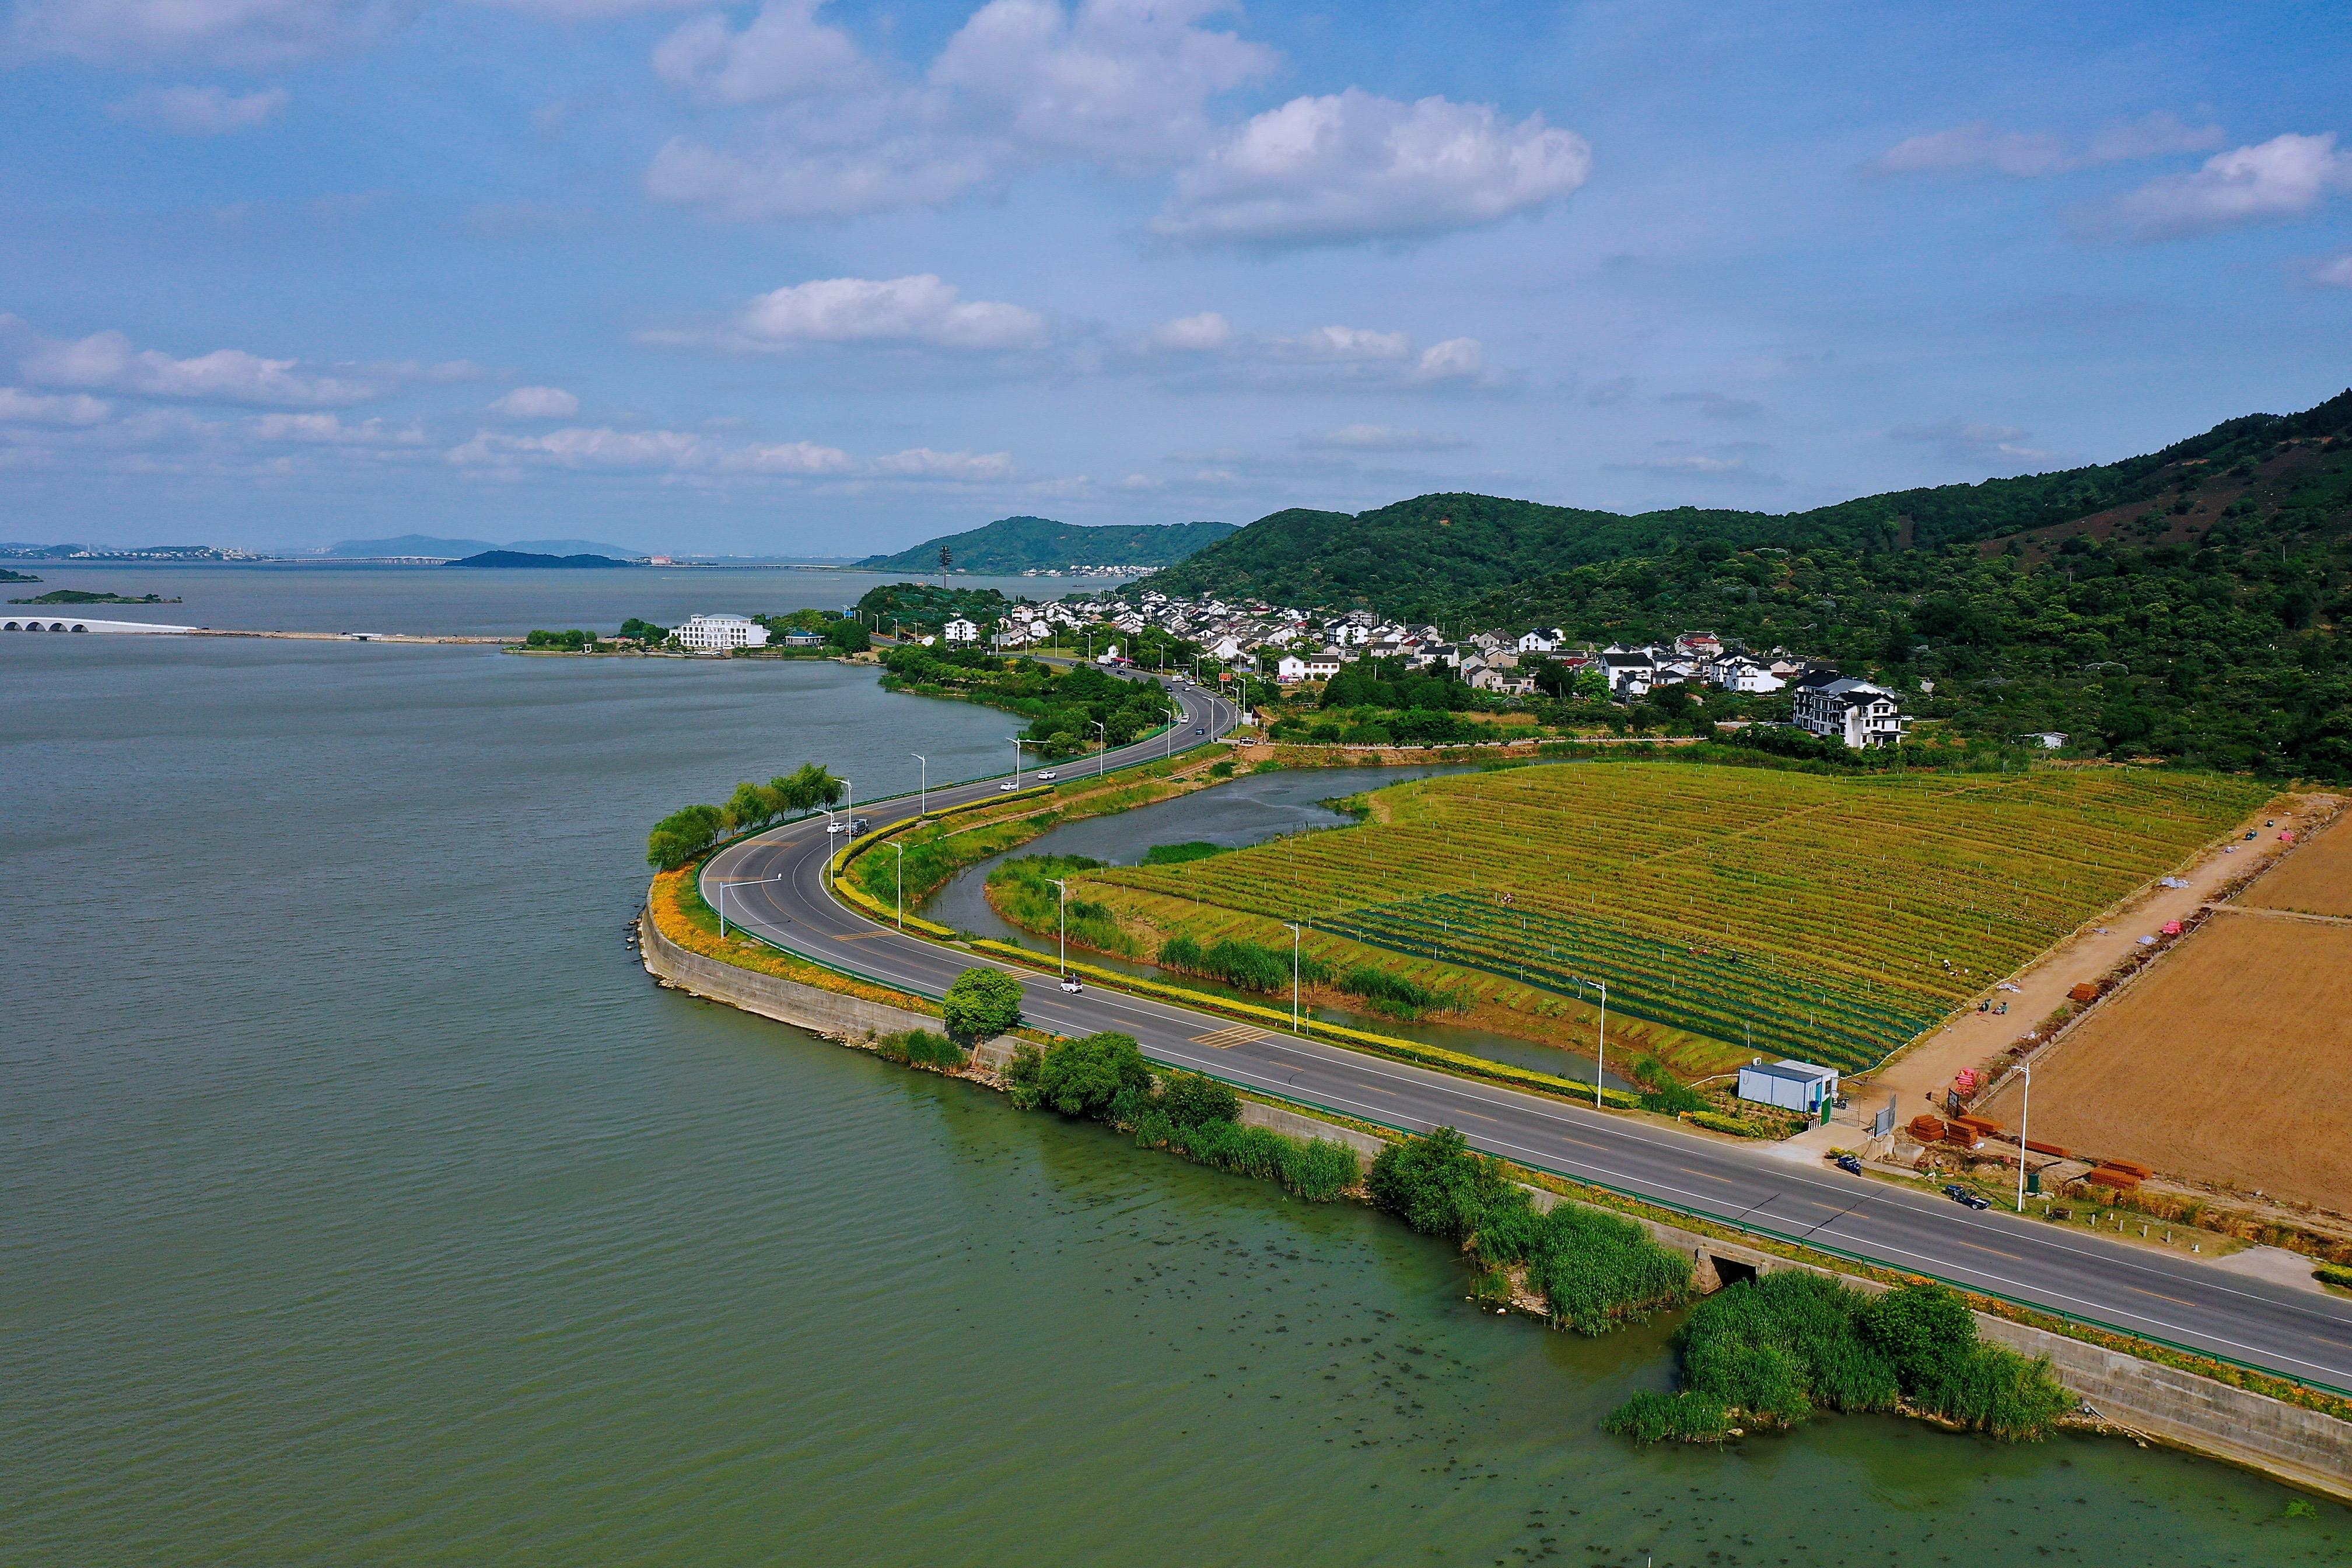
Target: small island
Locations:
point(8, 576)
point(84, 597)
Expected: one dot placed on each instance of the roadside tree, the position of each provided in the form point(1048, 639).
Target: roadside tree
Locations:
point(983, 1004)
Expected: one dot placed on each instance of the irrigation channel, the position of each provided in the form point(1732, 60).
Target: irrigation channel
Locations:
point(1249, 809)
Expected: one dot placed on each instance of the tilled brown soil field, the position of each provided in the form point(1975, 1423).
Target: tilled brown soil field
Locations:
point(2316, 878)
point(2229, 1061)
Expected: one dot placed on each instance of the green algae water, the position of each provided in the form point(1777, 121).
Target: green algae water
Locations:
point(364, 1203)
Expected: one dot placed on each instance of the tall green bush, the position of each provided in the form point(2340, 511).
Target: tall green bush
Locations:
point(981, 1004)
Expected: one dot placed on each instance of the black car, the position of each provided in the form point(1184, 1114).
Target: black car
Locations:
point(1964, 1198)
point(1849, 1164)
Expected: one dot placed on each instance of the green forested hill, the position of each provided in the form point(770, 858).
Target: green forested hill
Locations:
point(1013, 544)
point(1417, 557)
point(2190, 604)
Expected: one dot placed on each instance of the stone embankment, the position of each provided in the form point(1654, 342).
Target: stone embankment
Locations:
point(2142, 1398)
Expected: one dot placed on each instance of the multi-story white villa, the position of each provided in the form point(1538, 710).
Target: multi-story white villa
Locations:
point(714, 633)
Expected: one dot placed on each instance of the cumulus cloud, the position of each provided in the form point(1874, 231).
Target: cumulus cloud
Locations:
point(18, 406)
point(922, 310)
point(782, 53)
point(921, 462)
point(199, 111)
point(2028, 154)
point(1958, 441)
point(1193, 334)
point(1116, 83)
point(1377, 439)
point(1351, 166)
point(1456, 359)
point(680, 452)
point(1342, 345)
point(2284, 177)
point(536, 402)
point(107, 362)
point(799, 457)
point(1112, 80)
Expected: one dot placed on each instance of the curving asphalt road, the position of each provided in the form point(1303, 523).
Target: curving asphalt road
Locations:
point(776, 889)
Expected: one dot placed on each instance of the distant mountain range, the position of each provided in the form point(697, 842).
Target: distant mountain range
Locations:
point(512, 558)
point(1015, 545)
point(428, 544)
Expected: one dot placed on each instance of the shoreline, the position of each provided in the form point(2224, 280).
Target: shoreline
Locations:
point(2122, 1390)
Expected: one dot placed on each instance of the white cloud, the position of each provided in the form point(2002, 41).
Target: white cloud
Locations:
point(782, 53)
point(1962, 442)
point(1697, 466)
point(1377, 439)
point(536, 402)
point(1456, 359)
point(2284, 177)
point(328, 429)
point(1352, 166)
point(921, 462)
point(1193, 334)
point(790, 458)
point(234, 32)
point(787, 179)
point(199, 111)
point(2028, 154)
point(1342, 345)
point(679, 452)
point(1114, 80)
point(21, 407)
point(1120, 83)
point(107, 362)
point(921, 309)
point(2336, 273)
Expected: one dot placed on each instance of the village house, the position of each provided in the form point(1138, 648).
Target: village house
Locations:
point(709, 634)
point(1852, 712)
point(960, 631)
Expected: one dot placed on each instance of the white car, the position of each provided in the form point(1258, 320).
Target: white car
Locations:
point(1047, 777)
point(1070, 984)
point(1008, 786)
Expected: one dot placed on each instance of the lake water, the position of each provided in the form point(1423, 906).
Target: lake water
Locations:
point(472, 601)
point(364, 1203)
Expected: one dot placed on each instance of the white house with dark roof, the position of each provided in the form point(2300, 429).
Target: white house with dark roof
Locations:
point(1852, 712)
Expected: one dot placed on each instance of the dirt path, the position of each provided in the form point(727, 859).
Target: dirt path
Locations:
point(1975, 1038)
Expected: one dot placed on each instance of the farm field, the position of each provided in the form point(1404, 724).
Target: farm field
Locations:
point(1776, 913)
point(2223, 1063)
point(2316, 878)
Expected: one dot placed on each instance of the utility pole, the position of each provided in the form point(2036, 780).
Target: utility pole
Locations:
point(1601, 1056)
point(1294, 976)
point(2024, 1125)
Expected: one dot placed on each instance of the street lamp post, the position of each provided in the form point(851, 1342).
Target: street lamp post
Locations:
point(902, 884)
point(923, 789)
point(2024, 1125)
point(722, 898)
point(1103, 761)
point(1601, 1056)
point(1294, 976)
point(1065, 888)
point(1017, 743)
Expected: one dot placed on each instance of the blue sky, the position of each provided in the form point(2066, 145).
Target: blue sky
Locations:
point(828, 278)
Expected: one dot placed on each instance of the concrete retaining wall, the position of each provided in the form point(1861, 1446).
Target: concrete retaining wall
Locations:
point(2302, 1446)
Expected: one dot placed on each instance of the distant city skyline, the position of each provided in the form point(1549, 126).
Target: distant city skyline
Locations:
point(803, 278)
